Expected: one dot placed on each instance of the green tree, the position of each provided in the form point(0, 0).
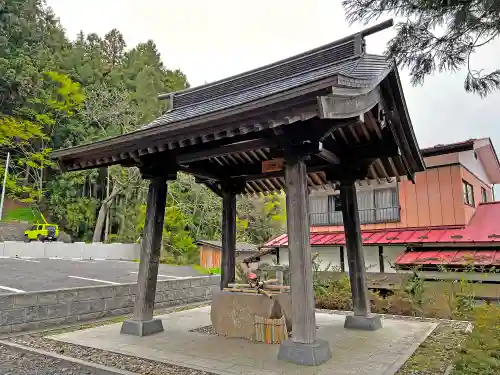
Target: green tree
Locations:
point(437, 35)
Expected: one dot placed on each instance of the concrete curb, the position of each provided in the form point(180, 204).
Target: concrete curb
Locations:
point(99, 369)
point(104, 320)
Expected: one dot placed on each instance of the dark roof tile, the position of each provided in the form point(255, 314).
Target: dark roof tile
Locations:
point(366, 69)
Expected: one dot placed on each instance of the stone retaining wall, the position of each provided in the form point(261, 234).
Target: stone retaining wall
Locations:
point(35, 310)
point(81, 250)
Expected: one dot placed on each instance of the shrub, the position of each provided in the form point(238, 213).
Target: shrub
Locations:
point(480, 354)
point(207, 271)
point(335, 296)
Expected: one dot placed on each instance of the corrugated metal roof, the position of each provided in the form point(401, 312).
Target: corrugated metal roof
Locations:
point(240, 246)
point(450, 257)
point(367, 69)
point(484, 227)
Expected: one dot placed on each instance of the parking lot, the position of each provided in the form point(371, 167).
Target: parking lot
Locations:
point(19, 275)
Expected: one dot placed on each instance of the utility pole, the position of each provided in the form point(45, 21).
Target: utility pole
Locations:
point(4, 184)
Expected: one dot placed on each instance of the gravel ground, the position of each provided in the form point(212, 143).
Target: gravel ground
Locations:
point(103, 357)
point(437, 352)
point(134, 364)
point(207, 330)
point(16, 363)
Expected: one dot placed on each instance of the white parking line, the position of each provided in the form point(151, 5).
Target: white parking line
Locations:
point(12, 289)
point(82, 261)
point(96, 280)
point(27, 260)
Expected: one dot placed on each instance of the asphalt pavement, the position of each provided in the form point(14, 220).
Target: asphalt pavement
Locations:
point(19, 275)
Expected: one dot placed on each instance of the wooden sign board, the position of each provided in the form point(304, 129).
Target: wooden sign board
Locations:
point(272, 165)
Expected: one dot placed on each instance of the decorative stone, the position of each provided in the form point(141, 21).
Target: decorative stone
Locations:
point(141, 328)
point(371, 322)
point(305, 354)
point(233, 313)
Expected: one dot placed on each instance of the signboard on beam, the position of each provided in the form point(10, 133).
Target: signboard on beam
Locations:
point(272, 165)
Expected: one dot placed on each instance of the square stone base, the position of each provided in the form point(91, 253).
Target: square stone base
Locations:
point(141, 327)
point(367, 323)
point(305, 354)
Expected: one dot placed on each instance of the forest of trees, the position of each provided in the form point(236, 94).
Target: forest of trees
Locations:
point(57, 93)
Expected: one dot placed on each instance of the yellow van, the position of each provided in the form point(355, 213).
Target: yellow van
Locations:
point(42, 232)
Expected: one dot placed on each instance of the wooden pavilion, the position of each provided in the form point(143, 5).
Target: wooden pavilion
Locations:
point(332, 115)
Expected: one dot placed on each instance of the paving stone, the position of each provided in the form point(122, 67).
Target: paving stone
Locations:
point(354, 352)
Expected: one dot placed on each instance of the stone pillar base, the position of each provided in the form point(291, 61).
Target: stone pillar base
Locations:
point(305, 354)
point(367, 323)
point(141, 327)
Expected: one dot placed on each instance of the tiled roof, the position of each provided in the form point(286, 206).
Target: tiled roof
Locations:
point(240, 246)
point(359, 71)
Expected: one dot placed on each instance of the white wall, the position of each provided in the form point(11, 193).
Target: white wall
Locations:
point(474, 165)
point(69, 250)
point(331, 255)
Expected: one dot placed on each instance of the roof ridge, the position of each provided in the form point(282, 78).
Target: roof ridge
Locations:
point(338, 62)
point(275, 64)
point(358, 35)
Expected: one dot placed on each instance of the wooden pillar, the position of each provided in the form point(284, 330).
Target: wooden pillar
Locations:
point(228, 261)
point(303, 348)
point(142, 322)
point(362, 318)
point(381, 259)
point(299, 248)
point(342, 260)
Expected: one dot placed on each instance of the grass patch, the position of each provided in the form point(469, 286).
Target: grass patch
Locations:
point(435, 354)
point(207, 271)
point(22, 214)
point(481, 352)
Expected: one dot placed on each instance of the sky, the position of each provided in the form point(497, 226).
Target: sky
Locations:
point(210, 40)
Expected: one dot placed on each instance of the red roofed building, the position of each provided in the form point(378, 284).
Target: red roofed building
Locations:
point(448, 216)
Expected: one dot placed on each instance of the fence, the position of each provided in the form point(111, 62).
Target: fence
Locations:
point(35, 310)
point(70, 250)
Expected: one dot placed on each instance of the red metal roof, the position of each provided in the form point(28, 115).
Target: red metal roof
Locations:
point(450, 257)
point(484, 227)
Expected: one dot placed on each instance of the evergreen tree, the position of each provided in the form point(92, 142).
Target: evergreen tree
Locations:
point(438, 35)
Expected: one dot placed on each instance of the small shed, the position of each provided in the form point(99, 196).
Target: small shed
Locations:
point(210, 252)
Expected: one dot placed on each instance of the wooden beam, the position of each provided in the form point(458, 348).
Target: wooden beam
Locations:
point(394, 124)
point(335, 107)
point(201, 173)
point(210, 185)
point(328, 156)
point(210, 151)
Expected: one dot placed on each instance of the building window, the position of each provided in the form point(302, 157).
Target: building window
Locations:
point(468, 193)
point(375, 206)
point(484, 195)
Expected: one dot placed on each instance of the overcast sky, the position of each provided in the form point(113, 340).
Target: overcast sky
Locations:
point(209, 40)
